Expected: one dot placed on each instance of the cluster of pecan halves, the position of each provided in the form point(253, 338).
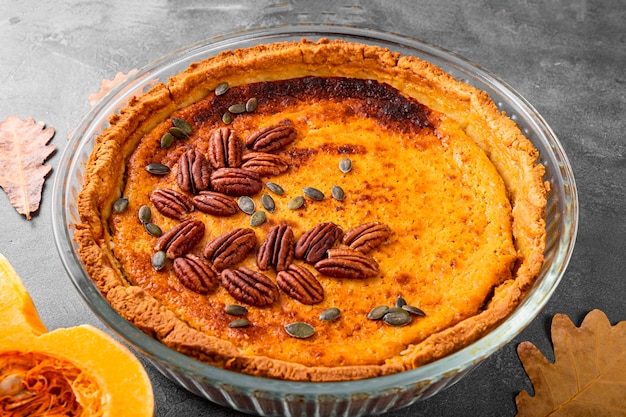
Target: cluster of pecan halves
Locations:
point(233, 168)
point(315, 247)
point(279, 250)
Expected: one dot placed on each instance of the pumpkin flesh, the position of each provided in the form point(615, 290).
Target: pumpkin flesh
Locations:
point(76, 371)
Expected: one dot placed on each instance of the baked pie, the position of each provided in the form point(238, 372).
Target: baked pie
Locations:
point(313, 211)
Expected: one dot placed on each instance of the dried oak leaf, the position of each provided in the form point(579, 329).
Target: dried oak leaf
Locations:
point(108, 85)
point(23, 150)
point(588, 376)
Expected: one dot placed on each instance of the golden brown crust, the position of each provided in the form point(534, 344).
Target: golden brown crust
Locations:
point(458, 110)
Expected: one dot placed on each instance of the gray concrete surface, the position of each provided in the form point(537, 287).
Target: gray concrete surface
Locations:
point(567, 57)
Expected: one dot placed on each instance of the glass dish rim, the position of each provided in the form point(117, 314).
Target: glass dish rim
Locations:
point(524, 313)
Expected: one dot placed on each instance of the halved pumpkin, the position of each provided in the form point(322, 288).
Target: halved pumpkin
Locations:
point(78, 371)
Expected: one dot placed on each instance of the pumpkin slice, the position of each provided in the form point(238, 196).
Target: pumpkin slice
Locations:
point(16, 307)
point(79, 371)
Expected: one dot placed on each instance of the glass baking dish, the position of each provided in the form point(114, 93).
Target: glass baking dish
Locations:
point(284, 398)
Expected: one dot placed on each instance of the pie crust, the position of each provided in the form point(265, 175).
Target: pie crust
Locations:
point(454, 179)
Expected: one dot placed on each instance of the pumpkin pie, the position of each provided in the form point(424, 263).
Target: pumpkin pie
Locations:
point(313, 211)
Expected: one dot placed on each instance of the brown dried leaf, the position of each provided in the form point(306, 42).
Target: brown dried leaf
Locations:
point(23, 150)
point(588, 376)
point(108, 85)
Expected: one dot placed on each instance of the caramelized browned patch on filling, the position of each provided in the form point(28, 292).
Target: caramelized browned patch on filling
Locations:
point(368, 98)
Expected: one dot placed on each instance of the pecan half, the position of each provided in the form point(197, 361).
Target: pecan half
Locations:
point(230, 248)
point(347, 263)
point(271, 138)
point(195, 274)
point(236, 181)
point(171, 203)
point(249, 286)
point(277, 250)
point(313, 244)
point(181, 238)
point(194, 171)
point(225, 148)
point(216, 204)
point(367, 236)
point(264, 164)
point(300, 283)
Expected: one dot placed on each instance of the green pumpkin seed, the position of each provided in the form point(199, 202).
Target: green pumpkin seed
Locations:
point(275, 188)
point(236, 310)
point(182, 125)
point(227, 118)
point(258, 218)
point(158, 260)
point(246, 204)
point(235, 324)
point(145, 214)
point(400, 301)
point(313, 193)
point(413, 310)
point(120, 205)
point(338, 193)
point(158, 169)
point(295, 203)
point(377, 313)
point(167, 140)
point(345, 165)
point(268, 203)
point(251, 105)
point(237, 108)
point(330, 314)
point(300, 330)
point(397, 317)
point(178, 133)
point(221, 88)
point(153, 229)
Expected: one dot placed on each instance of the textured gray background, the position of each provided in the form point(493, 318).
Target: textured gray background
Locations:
point(567, 57)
